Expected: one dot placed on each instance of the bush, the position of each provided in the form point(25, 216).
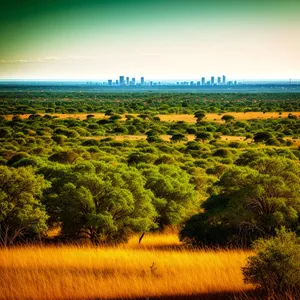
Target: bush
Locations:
point(64, 157)
point(225, 153)
point(276, 266)
point(59, 138)
point(17, 157)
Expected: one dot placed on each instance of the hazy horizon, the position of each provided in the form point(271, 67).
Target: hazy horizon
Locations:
point(160, 40)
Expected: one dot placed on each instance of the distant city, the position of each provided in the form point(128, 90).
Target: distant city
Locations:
point(122, 81)
point(205, 82)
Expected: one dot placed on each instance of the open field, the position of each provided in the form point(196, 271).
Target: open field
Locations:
point(217, 117)
point(180, 117)
point(159, 267)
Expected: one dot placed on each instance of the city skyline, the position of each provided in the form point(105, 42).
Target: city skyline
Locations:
point(161, 40)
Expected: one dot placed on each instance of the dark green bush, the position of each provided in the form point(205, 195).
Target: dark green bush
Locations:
point(276, 265)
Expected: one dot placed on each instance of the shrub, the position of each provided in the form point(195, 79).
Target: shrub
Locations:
point(64, 157)
point(276, 266)
point(177, 137)
point(17, 157)
point(59, 138)
point(225, 153)
point(91, 142)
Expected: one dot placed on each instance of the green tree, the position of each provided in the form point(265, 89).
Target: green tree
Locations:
point(252, 202)
point(22, 215)
point(175, 197)
point(199, 115)
point(227, 118)
point(203, 136)
point(104, 206)
point(178, 137)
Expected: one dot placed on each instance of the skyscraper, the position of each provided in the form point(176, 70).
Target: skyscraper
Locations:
point(219, 80)
point(133, 81)
point(127, 80)
point(212, 80)
point(203, 80)
point(224, 79)
point(122, 81)
point(109, 82)
point(142, 80)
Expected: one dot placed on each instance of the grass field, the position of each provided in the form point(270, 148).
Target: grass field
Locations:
point(160, 266)
point(181, 117)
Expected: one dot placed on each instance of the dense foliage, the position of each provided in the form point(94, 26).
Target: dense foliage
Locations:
point(31, 102)
point(94, 184)
point(276, 266)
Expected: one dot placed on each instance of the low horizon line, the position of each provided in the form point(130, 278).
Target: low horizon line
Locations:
point(146, 80)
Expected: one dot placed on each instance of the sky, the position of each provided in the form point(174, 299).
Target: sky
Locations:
point(158, 39)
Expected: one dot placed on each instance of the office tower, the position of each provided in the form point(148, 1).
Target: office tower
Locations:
point(151, 83)
point(122, 81)
point(192, 83)
point(117, 82)
point(212, 80)
point(219, 80)
point(208, 82)
point(127, 80)
point(133, 81)
point(203, 80)
point(224, 79)
point(235, 82)
point(142, 80)
point(110, 82)
point(198, 83)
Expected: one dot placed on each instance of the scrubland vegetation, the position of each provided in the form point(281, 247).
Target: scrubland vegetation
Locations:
point(74, 191)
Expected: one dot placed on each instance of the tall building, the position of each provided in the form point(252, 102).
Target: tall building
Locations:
point(127, 80)
point(117, 82)
point(224, 79)
point(133, 81)
point(122, 81)
point(219, 80)
point(212, 80)
point(110, 82)
point(142, 80)
point(192, 83)
point(203, 80)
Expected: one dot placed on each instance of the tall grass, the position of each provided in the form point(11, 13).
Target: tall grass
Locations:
point(159, 266)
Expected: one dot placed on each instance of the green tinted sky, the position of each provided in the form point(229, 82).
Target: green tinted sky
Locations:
point(158, 39)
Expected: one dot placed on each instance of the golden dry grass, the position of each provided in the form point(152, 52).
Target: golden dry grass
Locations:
point(189, 118)
point(71, 272)
point(217, 118)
